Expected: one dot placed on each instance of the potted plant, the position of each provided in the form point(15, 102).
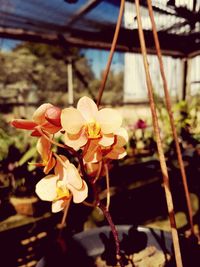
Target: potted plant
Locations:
point(90, 138)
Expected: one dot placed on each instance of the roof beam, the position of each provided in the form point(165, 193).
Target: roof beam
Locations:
point(83, 10)
point(171, 44)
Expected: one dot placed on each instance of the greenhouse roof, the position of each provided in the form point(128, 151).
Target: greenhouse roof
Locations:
point(91, 23)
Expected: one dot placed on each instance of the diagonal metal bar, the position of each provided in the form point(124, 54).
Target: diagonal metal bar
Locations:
point(83, 10)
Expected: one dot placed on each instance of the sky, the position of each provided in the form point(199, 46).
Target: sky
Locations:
point(8, 44)
point(97, 59)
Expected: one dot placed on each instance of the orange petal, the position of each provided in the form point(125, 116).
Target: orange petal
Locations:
point(43, 147)
point(117, 153)
point(23, 124)
point(50, 128)
point(87, 107)
point(109, 119)
point(92, 153)
point(122, 137)
point(39, 114)
point(46, 188)
point(76, 141)
point(50, 164)
point(35, 133)
point(59, 168)
point(71, 120)
point(79, 195)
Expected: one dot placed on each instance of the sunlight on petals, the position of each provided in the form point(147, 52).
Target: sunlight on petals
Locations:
point(109, 119)
point(76, 141)
point(73, 177)
point(46, 188)
point(58, 205)
point(107, 140)
point(59, 169)
point(39, 114)
point(88, 108)
point(71, 120)
point(79, 195)
point(122, 137)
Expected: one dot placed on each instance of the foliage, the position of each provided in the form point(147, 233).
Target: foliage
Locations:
point(36, 73)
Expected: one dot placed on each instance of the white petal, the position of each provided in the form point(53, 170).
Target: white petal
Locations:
point(88, 108)
point(39, 114)
point(79, 195)
point(71, 120)
point(46, 188)
point(107, 140)
point(58, 205)
point(72, 177)
point(75, 141)
point(109, 119)
point(122, 137)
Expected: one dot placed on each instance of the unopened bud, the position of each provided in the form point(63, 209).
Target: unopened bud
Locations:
point(52, 115)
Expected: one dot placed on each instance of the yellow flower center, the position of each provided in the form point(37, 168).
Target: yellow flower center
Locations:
point(61, 191)
point(93, 130)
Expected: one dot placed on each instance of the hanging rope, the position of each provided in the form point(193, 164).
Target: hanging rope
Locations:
point(158, 141)
point(112, 50)
point(169, 108)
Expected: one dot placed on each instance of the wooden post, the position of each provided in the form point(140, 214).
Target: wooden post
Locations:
point(70, 84)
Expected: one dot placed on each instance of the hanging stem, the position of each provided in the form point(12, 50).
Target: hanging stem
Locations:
point(107, 187)
point(158, 141)
point(169, 108)
point(114, 231)
point(66, 209)
point(114, 42)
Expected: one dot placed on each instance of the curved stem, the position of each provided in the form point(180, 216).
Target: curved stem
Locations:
point(39, 129)
point(114, 231)
point(98, 173)
point(169, 108)
point(63, 221)
point(158, 141)
point(114, 42)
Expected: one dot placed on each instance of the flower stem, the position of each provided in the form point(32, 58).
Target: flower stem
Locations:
point(158, 141)
point(114, 42)
point(107, 187)
point(169, 108)
point(114, 231)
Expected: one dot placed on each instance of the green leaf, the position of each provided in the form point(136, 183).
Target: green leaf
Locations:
point(27, 156)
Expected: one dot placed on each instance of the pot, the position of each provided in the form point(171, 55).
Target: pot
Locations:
point(86, 246)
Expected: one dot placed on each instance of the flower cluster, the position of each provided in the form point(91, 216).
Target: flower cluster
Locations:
point(94, 134)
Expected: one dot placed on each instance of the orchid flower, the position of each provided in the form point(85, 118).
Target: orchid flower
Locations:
point(94, 153)
point(46, 116)
point(44, 149)
point(62, 185)
point(88, 123)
